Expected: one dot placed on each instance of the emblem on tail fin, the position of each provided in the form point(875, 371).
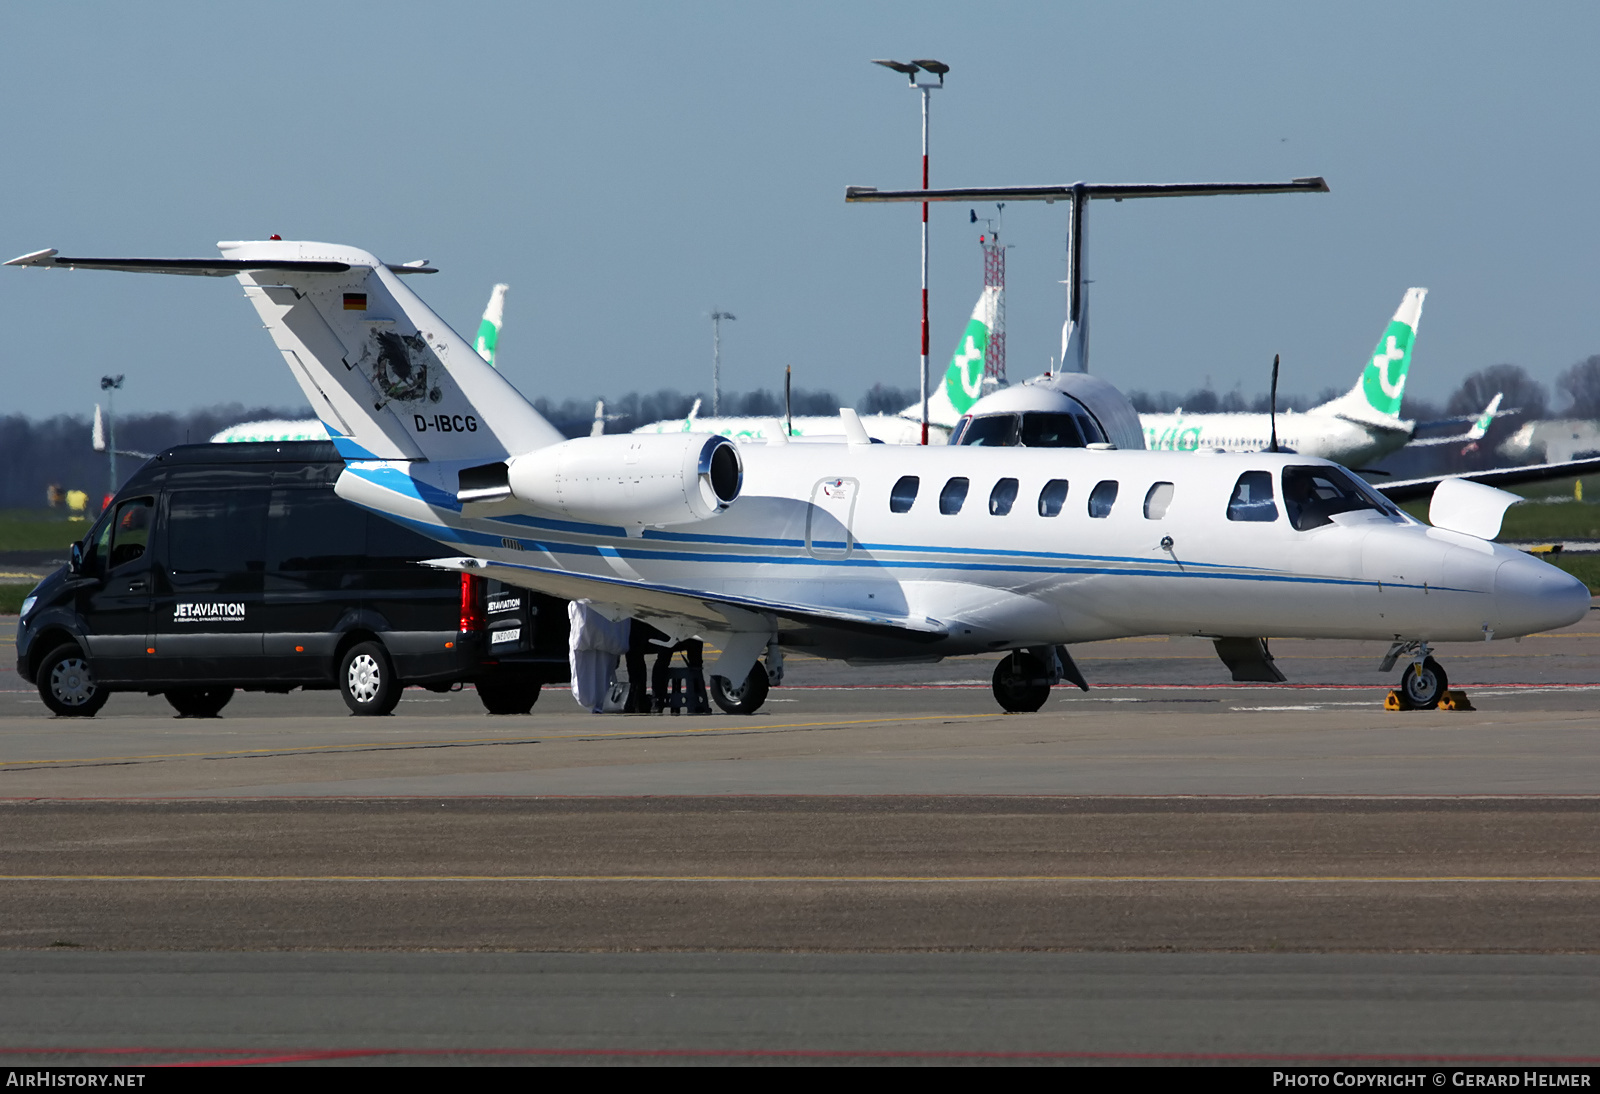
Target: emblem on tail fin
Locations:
point(400, 365)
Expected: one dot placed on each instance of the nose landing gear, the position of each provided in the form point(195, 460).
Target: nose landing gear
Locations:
point(1424, 681)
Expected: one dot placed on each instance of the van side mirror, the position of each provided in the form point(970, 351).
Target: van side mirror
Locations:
point(75, 566)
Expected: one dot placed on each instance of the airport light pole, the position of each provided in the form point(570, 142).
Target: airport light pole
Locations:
point(926, 87)
point(110, 385)
point(716, 358)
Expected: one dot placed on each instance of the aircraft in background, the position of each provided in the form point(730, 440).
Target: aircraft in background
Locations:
point(963, 385)
point(864, 552)
point(310, 429)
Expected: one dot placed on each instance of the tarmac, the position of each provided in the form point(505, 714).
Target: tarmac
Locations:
point(878, 866)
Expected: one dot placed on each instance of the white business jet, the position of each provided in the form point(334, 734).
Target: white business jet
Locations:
point(870, 553)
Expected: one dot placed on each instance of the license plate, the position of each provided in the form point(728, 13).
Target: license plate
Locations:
point(505, 636)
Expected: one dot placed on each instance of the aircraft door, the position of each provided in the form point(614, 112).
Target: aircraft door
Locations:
point(830, 517)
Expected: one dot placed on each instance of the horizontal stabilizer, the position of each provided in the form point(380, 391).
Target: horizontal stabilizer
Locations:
point(193, 267)
point(714, 611)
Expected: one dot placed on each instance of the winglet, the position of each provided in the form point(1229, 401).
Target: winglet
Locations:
point(854, 431)
point(37, 258)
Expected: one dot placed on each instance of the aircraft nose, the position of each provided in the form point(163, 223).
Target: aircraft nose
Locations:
point(1531, 596)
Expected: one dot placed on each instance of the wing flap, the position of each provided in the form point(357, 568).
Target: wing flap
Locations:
point(714, 611)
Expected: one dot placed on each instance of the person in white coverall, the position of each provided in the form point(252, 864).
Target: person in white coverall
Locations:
point(593, 647)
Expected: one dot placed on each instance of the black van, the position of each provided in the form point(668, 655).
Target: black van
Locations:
point(236, 566)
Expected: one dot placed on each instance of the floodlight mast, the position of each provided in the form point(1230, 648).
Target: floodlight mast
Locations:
point(110, 385)
point(910, 70)
point(716, 358)
point(1075, 332)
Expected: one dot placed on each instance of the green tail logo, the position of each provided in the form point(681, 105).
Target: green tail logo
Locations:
point(1383, 381)
point(489, 329)
point(963, 380)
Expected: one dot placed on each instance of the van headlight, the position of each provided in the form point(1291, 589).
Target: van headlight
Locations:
point(27, 605)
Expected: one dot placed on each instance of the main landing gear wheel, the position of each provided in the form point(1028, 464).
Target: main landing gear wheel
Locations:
point(367, 681)
point(198, 702)
point(747, 697)
point(508, 696)
point(1021, 684)
point(1422, 686)
point(67, 684)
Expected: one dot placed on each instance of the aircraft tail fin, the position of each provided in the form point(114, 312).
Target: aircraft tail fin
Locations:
point(384, 373)
point(1377, 395)
point(1486, 419)
point(963, 381)
point(489, 328)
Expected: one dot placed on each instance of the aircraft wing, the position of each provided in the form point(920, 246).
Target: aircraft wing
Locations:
point(1411, 489)
point(715, 611)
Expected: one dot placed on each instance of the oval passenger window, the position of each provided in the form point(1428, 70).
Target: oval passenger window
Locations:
point(903, 494)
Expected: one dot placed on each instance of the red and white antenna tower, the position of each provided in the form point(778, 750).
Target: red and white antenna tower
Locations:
point(994, 277)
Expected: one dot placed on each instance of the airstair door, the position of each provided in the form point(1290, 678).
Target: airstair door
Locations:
point(828, 521)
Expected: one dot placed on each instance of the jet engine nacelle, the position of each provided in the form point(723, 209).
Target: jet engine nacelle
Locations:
point(631, 478)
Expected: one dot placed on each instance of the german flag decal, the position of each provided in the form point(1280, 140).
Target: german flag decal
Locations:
point(355, 301)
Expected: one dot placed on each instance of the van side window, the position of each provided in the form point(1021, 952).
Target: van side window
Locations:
point(124, 537)
point(315, 529)
point(1002, 497)
point(953, 496)
point(1052, 497)
point(216, 531)
point(903, 494)
point(1102, 498)
point(1156, 501)
point(1252, 498)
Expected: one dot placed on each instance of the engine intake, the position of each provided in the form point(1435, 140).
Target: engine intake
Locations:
point(630, 478)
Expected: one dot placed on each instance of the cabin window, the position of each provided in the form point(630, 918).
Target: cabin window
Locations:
point(1156, 500)
point(1052, 497)
point(953, 496)
point(992, 431)
point(1002, 497)
point(1102, 498)
point(903, 494)
point(1252, 498)
point(1312, 495)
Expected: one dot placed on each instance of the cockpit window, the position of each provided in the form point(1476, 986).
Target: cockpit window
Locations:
point(1252, 498)
point(1312, 495)
point(992, 431)
point(1034, 429)
point(903, 494)
point(1041, 430)
point(953, 496)
point(1052, 497)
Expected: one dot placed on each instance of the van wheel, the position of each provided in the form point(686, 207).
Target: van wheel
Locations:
point(367, 681)
point(745, 699)
point(513, 695)
point(67, 684)
point(198, 702)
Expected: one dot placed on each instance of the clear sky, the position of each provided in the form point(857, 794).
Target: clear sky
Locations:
point(628, 167)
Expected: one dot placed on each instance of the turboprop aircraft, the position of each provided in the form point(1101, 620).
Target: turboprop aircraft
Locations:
point(870, 553)
point(964, 384)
